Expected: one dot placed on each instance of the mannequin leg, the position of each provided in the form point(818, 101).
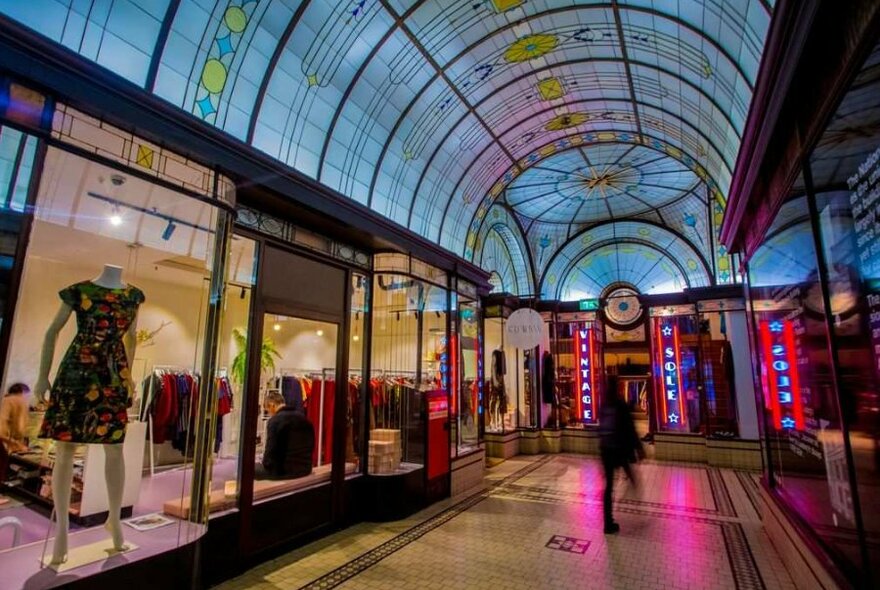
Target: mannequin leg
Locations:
point(62, 480)
point(114, 474)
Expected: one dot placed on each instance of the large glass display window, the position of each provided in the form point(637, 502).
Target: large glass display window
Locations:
point(675, 367)
point(577, 346)
point(507, 405)
point(231, 379)
point(469, 369)
point(295, 436)
point(409, 359)
point(802, 418)
point(109, 337)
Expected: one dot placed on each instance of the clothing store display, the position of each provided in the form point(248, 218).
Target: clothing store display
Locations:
point(13, 422)
point(89, 399)
point(290, 444)
point(548, 379)
point(170, 402)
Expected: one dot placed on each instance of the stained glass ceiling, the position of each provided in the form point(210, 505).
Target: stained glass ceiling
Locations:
point(435, 112)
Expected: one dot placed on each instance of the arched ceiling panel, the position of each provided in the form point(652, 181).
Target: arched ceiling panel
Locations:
point(646, 268)
point(428, 111)
point(649, 257)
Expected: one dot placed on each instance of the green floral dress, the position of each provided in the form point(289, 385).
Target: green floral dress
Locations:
point(89, 400)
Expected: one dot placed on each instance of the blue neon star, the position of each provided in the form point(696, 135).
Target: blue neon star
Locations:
point(667, 331)
point(673, 418)
point(776, 326)
point(788, 422)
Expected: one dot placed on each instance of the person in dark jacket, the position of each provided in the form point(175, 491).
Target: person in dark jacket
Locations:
point(290, 440)
point(619, 445)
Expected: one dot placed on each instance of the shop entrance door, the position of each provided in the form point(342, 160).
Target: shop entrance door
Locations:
point(295, 404)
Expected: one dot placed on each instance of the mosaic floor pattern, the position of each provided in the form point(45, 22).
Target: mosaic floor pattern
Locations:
point(537, 522)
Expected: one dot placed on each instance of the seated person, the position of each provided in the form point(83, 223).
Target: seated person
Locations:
point(13, 418)
point(290, 440)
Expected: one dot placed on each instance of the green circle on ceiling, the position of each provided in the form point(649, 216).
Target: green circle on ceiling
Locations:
point(214, 76)
point(235, 18)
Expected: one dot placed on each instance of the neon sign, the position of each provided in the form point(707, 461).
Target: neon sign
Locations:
point(780, 370)
point(585, 380)
point(669, 352)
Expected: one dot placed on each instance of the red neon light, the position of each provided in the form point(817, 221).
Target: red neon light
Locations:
point(579, 379)
point(767, 345)
point(452, 353)
point(592, 377)
point(660, 363)
point(797, 404)
point(681, 411)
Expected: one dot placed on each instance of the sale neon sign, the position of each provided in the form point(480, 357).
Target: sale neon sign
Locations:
point(780, 372)
point(669, 357)
point(586, 378)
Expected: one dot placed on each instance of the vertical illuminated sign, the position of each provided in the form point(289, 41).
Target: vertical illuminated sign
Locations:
point(780, 372)
point(669, 361)
point(585, 380)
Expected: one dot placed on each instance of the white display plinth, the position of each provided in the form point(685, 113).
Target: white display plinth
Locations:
point(94, 495)
point(80, 556)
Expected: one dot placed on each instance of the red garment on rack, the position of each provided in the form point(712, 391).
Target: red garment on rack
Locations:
point(164, 410)
point(313, 413)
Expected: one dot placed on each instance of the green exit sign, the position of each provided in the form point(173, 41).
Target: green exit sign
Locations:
point(588, 304)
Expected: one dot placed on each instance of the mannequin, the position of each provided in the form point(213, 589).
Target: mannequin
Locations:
point(91, 392)
point(498, 393)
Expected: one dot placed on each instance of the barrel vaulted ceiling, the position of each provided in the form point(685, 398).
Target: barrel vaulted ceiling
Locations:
point(564, 145)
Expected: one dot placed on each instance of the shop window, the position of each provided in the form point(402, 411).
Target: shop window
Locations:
point(506, 405)
point(358, 383)
point(577, 347)
point(675, 350)
point(232, 378)
point(801, 413)
point(132, 261)
point(409, 360)
point(717, 402)
point(17, 153)
point(845, 171)
point(470, 370)
point(297, 403)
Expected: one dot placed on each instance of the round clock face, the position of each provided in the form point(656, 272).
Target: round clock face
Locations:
point(623, 306)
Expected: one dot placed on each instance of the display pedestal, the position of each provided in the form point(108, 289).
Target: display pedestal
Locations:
point(80, 556)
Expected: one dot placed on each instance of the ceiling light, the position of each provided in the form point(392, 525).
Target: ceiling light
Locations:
point(115, 217)
point(277, 327)
point(319, 332)
point(355, 337)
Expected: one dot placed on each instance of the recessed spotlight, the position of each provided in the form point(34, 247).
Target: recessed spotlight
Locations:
point(355, 337)
point(116, 219)
point(277, 327)
point(319, 332)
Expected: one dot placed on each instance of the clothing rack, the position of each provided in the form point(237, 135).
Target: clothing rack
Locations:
point(145, 403)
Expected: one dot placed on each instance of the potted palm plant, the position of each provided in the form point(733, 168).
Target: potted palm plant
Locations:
point(268, 354)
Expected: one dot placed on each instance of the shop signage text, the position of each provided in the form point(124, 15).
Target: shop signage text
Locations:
point(585, 380)
point(780, 371)
point(669, 361)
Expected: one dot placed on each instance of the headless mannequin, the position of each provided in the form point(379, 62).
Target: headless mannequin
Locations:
point(114, 466)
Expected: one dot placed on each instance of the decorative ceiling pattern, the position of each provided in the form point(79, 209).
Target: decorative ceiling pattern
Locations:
point(569, 112)
point(647, 257)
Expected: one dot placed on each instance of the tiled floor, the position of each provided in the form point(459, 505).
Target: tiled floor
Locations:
point(538, 523)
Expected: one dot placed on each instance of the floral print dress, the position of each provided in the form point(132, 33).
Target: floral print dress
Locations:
point(89, 399)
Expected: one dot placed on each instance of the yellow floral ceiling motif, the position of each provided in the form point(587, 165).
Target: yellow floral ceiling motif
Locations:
point(566, 121)
point(530, 47)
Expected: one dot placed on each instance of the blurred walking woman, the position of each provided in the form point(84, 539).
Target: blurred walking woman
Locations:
point(618, 443)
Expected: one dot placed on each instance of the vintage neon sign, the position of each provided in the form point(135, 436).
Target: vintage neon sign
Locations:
point(585, 380)
point(780, 369)
point(669, 353)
